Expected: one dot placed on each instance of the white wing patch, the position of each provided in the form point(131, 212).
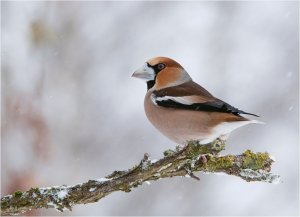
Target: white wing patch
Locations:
point(153, 98)
point(186, 100)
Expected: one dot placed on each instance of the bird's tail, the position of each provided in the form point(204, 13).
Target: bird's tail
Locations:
point(246, 113)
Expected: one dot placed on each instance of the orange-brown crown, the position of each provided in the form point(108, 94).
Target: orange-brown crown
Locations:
point(165, 60)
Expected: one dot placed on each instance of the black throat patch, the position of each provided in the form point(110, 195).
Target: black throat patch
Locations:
point(150, 84)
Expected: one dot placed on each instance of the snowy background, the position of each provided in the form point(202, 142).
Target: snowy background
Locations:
point(71, 111)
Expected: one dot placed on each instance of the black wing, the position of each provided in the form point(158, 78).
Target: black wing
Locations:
point(213, 106)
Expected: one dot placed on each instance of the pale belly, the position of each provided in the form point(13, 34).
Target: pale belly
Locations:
point(179, 125)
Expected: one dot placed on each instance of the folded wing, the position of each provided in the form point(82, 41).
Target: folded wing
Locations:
point(191, 96)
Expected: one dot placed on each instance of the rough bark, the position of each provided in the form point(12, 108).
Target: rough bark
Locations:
point(185, 161)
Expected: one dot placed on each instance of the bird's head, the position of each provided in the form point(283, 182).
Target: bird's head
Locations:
point(162, 72)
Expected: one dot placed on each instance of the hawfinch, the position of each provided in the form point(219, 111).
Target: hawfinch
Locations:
point(181, 109)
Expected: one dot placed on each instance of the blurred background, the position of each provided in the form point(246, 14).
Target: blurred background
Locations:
point(71, 111)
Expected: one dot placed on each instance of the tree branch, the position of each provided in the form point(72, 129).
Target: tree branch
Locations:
point(180, 162)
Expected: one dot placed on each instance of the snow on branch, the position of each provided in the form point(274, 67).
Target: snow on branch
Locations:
point(185, 161)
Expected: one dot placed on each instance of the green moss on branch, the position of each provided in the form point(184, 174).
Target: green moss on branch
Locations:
point(254, 161)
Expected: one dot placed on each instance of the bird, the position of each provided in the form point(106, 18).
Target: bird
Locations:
point(181, 109)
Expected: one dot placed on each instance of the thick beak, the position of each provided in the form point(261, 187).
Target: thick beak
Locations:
point(145, 73)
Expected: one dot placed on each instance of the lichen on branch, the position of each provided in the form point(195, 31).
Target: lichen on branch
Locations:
point(183, 161)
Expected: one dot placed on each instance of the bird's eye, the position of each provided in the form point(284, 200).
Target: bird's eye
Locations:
point(161, 66)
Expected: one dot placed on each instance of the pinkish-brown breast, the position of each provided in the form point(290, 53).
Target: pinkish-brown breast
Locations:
point(182, 125)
